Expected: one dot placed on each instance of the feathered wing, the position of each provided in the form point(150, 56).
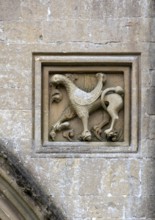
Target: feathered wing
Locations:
point(81, 97)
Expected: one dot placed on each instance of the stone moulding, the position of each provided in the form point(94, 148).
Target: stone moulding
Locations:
point(20, 195)
point(121, 70)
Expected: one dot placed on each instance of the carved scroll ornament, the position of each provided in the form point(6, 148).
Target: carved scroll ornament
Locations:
point(82, 104)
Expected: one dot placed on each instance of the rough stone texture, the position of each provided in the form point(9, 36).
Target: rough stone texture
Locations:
point(119, 187)
point(151, 95)
point(17, 181)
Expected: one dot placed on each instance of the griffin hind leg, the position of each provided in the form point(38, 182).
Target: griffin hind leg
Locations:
point(115, 105)
point(97, 129)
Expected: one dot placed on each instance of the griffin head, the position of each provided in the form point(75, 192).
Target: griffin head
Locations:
point(56, 79)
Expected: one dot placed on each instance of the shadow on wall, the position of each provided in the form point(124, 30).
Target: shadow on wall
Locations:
point(14, 180)
point(151, 108)
point(148, 172)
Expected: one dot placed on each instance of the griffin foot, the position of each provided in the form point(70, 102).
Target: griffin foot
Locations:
point(112, 136)
point(86, 136)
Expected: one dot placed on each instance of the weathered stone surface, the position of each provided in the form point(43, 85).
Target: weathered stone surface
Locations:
point(137, 209)
point(148, 148)
point(152, 32)
point(10, 10)
point(22, 32)
point(152, 58)
point(152, 80)
point(18, 124)
point(107, 30)
point(151, 105)
point(152, 127)
point(115, 186)
point(148, 177)
point(141, 208)
point(150, 207)
point(34, 10)
point(70, 9)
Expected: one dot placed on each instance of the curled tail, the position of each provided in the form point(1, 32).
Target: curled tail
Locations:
point(116, 89)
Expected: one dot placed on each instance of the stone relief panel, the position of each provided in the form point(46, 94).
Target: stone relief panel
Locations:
point(85, 105)
point(90, 110)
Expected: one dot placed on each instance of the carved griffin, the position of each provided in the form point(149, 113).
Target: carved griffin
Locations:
point(83, 103)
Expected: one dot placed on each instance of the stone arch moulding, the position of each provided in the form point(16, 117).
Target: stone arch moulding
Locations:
point(21, 197)
point(12, 204)
point(85, 104)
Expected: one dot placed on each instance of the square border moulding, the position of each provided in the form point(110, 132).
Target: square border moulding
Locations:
point(128, 63)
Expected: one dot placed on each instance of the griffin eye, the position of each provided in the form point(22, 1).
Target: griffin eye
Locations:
point(57, 86)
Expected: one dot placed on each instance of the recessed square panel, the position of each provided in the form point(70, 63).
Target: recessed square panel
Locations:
point(85, 104)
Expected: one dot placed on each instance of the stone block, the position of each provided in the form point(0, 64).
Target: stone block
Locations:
point(16, 98)
point(69, 9)
point(15, 124)
point(34, 10)
point(100, 10)
point(97, 207)
point(151, 7)
point(136, 208)
point(152, 29)
point(134, 177)
point(151, 55)
point(23, 32)
point(140, 208)
point(91, 172)
point(134, 29)
point(132, 8)
point(107, 208)
point(110, 30)
point(78, 31)
point(106, 30)
point(152, 73)
point(10, 10)
point(144, 133)
point(152, 127)
point(148, 148)
point(150, 202)
point(15, 79)
point(120, 179)
point(148, 177)
point(16, 58)
point(151, 102)
point(2, 33)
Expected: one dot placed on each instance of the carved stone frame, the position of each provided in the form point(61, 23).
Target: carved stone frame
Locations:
point(128, 63)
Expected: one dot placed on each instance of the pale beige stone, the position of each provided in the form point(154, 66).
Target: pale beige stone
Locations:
point(70, 9)
point(152, 80)
point(16, 98)
point(10, 10)
point(152, 123)
point(34, 10)
point(148, 148)
point(22, 32)
point(116, 186)
point(148, 177)
point(137, 209)
point(78, 31)
point(151, 57)
point(15, 124)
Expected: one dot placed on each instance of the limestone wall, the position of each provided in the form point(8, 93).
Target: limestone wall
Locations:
point(114, 186)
